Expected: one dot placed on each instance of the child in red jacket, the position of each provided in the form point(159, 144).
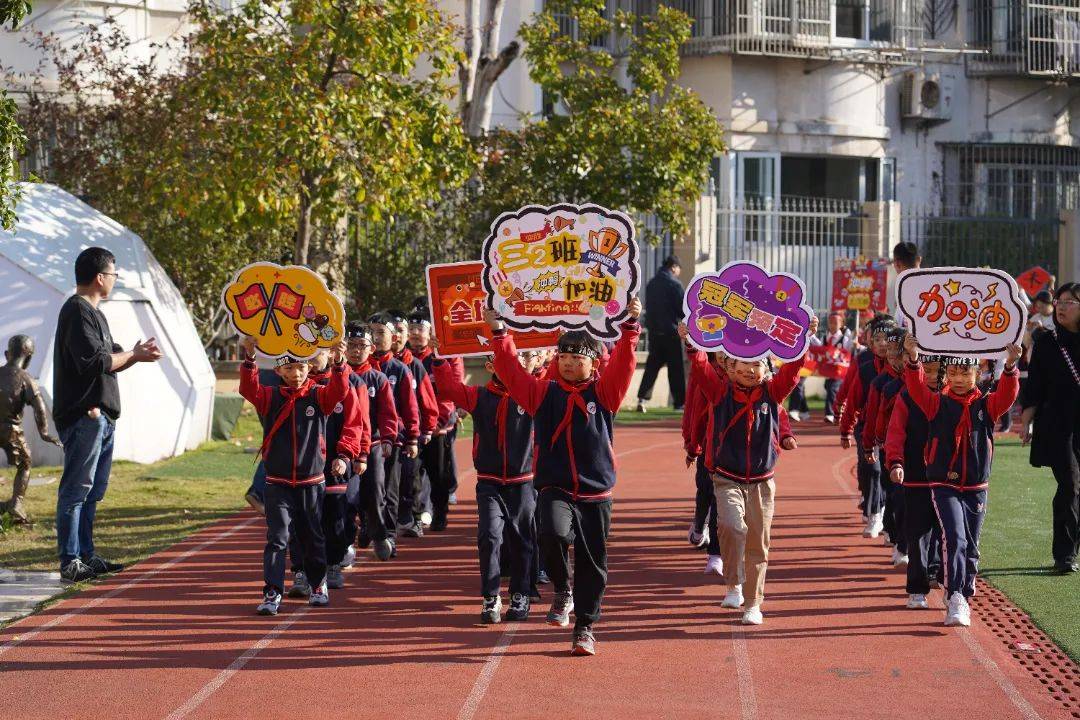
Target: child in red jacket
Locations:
point(741, 449)
point(959, 451)
point(575, 461)
point(294, 418)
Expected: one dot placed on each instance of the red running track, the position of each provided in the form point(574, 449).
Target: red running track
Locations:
point(176, 636)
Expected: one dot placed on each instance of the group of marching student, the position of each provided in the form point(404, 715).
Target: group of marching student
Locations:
point(357, 448)
point(358, 445)
point(924, 431)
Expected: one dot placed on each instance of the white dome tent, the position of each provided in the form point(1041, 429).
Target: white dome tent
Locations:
point(167, 406)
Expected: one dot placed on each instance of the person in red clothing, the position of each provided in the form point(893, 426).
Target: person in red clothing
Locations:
point(574, 461)
point(741, 448)
point(863, 371)
point(294, 417)
point(959, 452)
point(436, 456)
point(505, 497)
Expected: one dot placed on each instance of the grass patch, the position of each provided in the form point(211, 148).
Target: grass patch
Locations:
point(147, 507)
point(1016, 546)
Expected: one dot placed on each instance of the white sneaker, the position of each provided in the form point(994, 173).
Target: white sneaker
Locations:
point(269, 605)
point(794, 415)
point(715, 564)
point(899, 559)
point(917, 601)
point(734, 598)
point(698, 539)
point(425, 519)
point(752, 616)
point(874, 524)
point(886, 538)
point(319, 596)
point(958, 612)
point(350, 557)
point(831, 419)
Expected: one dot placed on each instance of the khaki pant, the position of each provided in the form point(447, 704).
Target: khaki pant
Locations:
point(744, 515)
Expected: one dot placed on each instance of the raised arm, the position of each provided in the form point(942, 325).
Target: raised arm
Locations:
point(1004, 395)
point(526, 390)
point(915, 380)
point(452, 385)
point(250, 387)
point(615, 380)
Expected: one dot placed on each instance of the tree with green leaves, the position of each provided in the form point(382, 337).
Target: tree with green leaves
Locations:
point(12, 139)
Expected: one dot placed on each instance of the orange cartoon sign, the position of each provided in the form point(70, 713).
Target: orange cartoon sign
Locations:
point(287, 309)
point(457, 300)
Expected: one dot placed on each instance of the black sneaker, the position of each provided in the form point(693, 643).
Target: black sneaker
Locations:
point(1066, 567)
point(416, 530)
point(438, 523)
point(561, 607)
point(542, 578)
point(101, 566)
point(384, 549)
point(519, 608)
point(584, 642)
point(491, 613)
point(77, 571)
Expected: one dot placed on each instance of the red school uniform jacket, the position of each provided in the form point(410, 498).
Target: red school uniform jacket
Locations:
point(401, 383)
point(858, 387)
point(426, 403)
point(381, 410)
point(573, 421)
point(877, 406)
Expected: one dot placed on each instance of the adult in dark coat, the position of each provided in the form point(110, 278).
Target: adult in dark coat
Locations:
point(663, 311)
point(1051, 400)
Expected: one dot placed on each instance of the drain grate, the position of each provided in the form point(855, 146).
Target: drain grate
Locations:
point(1030, 647)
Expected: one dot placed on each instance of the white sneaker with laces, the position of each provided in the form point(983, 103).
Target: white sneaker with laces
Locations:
point(831, 419)
point(270, 604)
point(958, 611)
point(899, 559)
point(734, 598)
point(320, 596)
point(752, 616)
point(698, 539)
point(917, 601)
point(425, 519)
point(795, 415)
point(874, 524)
point(715, 565)
point(350, 557)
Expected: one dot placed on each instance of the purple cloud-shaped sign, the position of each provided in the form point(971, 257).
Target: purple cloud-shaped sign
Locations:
point(748, 313)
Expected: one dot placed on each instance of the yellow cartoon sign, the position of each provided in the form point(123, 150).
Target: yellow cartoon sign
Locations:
point(287, 309)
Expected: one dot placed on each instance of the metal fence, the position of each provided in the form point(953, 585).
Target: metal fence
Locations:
point(1025, 37)
point(801, 236)
point(1003, 243)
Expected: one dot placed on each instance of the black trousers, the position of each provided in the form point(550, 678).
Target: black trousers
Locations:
point(664, 350)
point(705, 506)
point(339, 531)
point(437, 460)
point(505, 530)
point(410, 499)
point(391, 497)
point(563, 522)
point(368, 498)
point(869, 475)
point(832, 387)
point(300, 508)
point(919, 524)
point(1067, 507)
point(797, 399)
point(893, 520)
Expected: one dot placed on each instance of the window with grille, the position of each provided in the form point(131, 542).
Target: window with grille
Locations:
point(1017, 181)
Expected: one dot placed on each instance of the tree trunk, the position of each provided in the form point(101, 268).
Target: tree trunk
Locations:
point(483, 64)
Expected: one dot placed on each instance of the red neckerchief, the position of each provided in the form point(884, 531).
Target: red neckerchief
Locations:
point(497, 388)
point(749, 397)
point(574, 401)
point(405, 356)
point(422, 354)
point(320, 377)
point(361, 369)
point(291, 396)
point(962, 432)
point(377, 360)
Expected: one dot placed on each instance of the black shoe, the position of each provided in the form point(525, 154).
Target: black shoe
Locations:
point(542, 578)
point(438, 523)
point(416, 530)
point(584, 642)
point(519, 608)
point(1066, 567)
point(101, 566)
point(363, 539)
point(384, 549)
point(77, 571)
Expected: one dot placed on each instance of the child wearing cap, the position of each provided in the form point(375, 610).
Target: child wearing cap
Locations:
point(959, 451)
point(741, 448)
point(505, 498)
point(905, 444)
point(574, 461)
point(294, 417)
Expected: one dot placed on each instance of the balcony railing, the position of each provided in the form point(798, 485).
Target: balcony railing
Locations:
point(1025, 37)
point(788, 28)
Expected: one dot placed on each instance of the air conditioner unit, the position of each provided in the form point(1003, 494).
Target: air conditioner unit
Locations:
point(926, 96)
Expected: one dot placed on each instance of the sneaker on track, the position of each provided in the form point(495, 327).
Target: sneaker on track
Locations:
point(714, 565)
point(383, 549)
point(334, 579)
point(300, 585)
point(562, 604)
point(101, 566)
point(899, 559)
point(734, 598)
point(698, 538)
point(917, 601)
point(320, 596)
point(874, 524)
point(519, 608)
point(77, 571)
point(416, 530)
point(958, 612)
point(752, 616)
point(425, 519)
point(542, 578)
point(270, 603)
point(491, 612)
point(584, 642)
point(255, 502)
point(350, 557)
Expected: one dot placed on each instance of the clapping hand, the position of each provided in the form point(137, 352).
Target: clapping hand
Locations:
point(146, 351)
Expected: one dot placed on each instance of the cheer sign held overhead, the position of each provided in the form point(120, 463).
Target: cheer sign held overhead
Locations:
point(962, 311)
point(748, 313)
point(562, 266)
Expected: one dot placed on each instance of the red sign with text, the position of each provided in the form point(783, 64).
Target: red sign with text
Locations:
point(859, 284)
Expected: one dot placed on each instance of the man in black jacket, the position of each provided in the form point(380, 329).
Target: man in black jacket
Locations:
point(663, 311)
point(86, 404)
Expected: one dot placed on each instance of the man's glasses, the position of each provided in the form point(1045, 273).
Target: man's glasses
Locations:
point(109, 273)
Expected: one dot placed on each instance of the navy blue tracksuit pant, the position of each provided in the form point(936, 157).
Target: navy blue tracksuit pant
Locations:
point(961, 515)
point(562, 521)
point(505, 529)
point(919, 524)
point(295, 510)
point(869, 474)
point(705, 506)
point(894, 506)
point(832, 387)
